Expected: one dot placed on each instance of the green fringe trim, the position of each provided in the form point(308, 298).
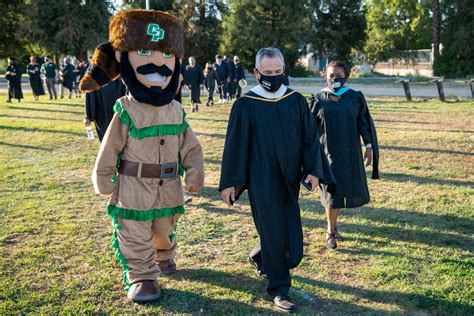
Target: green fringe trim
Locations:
point(149, 131)
point(181, 169)
point(118, 254)
point(143, 216)
point(119, 161)
point(115, 211)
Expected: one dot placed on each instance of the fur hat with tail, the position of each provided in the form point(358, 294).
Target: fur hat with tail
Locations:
point(133, 30)
point(103, 68)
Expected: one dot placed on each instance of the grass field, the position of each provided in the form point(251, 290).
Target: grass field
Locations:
point(409, 251)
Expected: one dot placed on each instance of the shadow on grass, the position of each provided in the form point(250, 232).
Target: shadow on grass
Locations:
point(387, 230)
point(53, 103)
point(401, 121)
point(25, 146)
point(29, 129)
point(436, 151)
point(437, 222)
point(212, 161)
point(44, 110)
point(413, 129)
point(39, 118)
point(206, 119)
point(213, 135)
point(177, 301)
point(409, 302)
point(402, 177)
point(401, 111)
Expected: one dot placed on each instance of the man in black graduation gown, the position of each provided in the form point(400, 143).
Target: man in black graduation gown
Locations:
point(100, 105)
point(239, 74)
point(13, 76)
point(231, 84)
point(223, 74)
point(272, 144)
point(194, 79)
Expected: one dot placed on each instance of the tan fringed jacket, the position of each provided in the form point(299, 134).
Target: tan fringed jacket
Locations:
point(144, 133)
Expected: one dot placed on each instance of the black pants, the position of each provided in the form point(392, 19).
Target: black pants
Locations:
point(278, 283)
point(223, 89)
point(239, 89)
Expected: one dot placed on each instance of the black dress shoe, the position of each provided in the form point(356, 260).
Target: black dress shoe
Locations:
point(283, 303)
point(260, 273)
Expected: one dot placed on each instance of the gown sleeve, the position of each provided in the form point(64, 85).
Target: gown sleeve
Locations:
point(368, 128)
point(315, 161)
point(234, 171)
point(91, 105)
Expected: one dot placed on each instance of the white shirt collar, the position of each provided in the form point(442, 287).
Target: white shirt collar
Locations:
point(261, 91)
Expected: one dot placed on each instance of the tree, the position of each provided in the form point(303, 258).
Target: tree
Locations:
point(457, 32)
point(436, 28)
point(339, 26)
point(66, 27)
point(251, 25)
point(394, 25)
point(10, 19)
point(202, 27)
point(161, 5)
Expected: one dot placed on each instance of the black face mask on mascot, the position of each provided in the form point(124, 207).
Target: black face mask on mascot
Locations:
point(271, 83)
point(155, 95)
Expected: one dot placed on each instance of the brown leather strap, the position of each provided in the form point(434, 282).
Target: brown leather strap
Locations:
point(131, 168)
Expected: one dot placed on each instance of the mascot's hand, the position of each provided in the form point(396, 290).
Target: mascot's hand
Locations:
point(192, 188)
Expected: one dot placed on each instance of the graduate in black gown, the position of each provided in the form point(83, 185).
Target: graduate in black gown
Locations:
point(210, 79)
point(100, 105)
point(67, 77)
point(34, 73)
point(239, 74)
point(194, 79)
point(13, 76)
point(231, 84)
point(343, 118)
point(271, 145)
point(223, 73)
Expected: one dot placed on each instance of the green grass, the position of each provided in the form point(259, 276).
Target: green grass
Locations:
point(408, 251)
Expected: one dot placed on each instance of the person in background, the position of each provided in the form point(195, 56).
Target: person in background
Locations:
point(34, 73)
point(83, 65)
point(210, 79)
point(231, 83)
point(100, 105)
point(50, 73)
point(13, 76)
point(239, 74)
point(67, 77)
point(194, 79)
point(77, 77)
point(343, 118)
point(223, 74)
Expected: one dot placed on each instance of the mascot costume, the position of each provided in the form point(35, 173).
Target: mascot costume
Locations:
point(147, 147)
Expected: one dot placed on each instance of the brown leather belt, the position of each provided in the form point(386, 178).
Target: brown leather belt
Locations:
point(148, 170)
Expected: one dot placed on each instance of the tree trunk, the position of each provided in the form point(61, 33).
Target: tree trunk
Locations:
point(436, 29)
point(202, 13)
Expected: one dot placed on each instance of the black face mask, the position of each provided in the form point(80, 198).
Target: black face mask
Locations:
point(154, 95)
point(270, 83)
point(336, 84)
